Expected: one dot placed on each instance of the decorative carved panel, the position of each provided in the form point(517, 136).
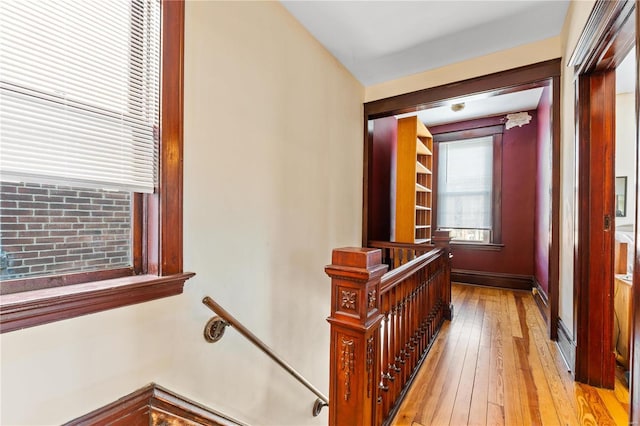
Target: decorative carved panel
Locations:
point(347, 359)
point(349, 300)
point(369, 366)
point(372, 299)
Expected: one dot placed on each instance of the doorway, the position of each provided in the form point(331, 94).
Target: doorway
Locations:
point(609, 35)
point(544, 75)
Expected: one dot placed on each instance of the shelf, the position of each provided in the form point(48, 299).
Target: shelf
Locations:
point(421, 148)
point(421, 130)
point(420, 188)
point(413, 180)
point(422, 169)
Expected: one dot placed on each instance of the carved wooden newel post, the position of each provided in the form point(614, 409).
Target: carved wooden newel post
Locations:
point(443, 239)
point(355, 337)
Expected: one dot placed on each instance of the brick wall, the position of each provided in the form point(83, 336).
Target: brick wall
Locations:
point(48, 229)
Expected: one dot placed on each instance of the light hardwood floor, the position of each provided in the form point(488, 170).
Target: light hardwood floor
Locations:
point(494, 365)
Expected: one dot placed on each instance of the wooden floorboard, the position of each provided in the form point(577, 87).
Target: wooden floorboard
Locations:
point(494, 365)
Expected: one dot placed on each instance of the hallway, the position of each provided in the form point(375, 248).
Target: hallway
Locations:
point(493, 365)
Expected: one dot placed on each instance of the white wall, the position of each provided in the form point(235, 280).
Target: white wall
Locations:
point(273, 178)
point(273, 182)
point(626, 151)
point(577, 16)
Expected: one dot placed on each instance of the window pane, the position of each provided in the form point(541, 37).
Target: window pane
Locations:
point(465, 175)
point(471, 235)
point(49, 230)
point(79, 92)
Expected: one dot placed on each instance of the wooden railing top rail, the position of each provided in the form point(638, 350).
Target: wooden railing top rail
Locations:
point(393, 277)
point(391, 244)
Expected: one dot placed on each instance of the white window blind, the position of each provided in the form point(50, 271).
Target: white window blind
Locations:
point(79, 92)
point(465, 181)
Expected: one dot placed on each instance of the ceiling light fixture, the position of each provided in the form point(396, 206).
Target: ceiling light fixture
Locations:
point(457, 107)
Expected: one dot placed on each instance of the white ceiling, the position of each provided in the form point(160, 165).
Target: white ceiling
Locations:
point(384, 40)
point(475, 107)
point(379, 41)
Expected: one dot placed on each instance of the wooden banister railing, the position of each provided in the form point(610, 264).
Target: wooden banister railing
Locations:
point(382, 326)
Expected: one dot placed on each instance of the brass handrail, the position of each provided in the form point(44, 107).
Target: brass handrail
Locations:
point(215, 329)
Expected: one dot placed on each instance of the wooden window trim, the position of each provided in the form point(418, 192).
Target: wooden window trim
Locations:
point(496, 132)
point(157, 242)
point(459, 245)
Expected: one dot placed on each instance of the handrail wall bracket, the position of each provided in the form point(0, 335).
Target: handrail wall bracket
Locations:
point(214, 329)
point(317, 406)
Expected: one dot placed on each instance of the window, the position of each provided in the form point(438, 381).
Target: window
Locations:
point(465, 170)
point(468, 184)
point(91, 142)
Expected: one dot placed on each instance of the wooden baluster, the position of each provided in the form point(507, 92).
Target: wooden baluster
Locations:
point(412, 316)
point(397, 383)
point(439, 279)
point(419, 298)
point(437, 291)
point(393, 347)
point(423, 312)
point(355, 335)
point(443, 239)
point(397, 344)
point(414, 320)
point(405, 335)
point(417, 339)
point(427, 309)
point(400, 341)
point(440, 288)
point(438, 301)
point(427, 296)
point(391, 344)
point(411, 312)
point(412, 283)
point(407, 326)
point(433, 296)
point(385, 378)
point(433, 300)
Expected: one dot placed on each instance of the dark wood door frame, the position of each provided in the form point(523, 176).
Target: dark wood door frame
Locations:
point(610, 32)
point(593, 271)
point(536, 75)
point(634, 417)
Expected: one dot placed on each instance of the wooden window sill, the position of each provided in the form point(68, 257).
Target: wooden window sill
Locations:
point(477, 246)
point(31, 308)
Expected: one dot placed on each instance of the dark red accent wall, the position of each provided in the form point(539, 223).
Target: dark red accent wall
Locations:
point(385, 135)
point(518, 202)
point(542, 236)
